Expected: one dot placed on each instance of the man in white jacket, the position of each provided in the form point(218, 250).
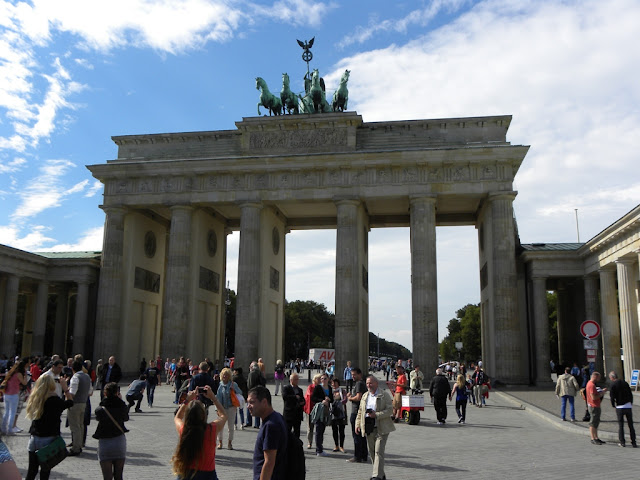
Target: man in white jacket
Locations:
point(566, 389)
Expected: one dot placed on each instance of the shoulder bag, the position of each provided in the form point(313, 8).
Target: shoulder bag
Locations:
point(52, 454)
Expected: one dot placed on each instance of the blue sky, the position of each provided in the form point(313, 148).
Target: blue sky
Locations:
point(75, 73)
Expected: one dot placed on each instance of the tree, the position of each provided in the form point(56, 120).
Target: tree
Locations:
point(464, 328)
point(307, 324)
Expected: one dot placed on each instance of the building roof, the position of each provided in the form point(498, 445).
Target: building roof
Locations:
point(551, 247)
point(69, 254)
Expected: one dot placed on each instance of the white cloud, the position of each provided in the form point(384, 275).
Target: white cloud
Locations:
point(295, 12)
point(421, 17)
point(90, 241)
point(45, 190)
point(556, 66)
point(13, 166)
point(34, 239)
point(95, 188)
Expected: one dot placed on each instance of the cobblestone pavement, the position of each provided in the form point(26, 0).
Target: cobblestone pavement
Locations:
point(508, 439)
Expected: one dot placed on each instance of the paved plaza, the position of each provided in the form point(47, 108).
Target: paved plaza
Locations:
point(512, 438)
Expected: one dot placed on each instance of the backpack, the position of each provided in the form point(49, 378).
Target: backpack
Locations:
point(295, 466)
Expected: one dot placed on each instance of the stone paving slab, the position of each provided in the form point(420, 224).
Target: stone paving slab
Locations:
point(505, 440)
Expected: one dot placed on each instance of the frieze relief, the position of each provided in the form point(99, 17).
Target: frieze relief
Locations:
point(303, 179)
point(321, 137)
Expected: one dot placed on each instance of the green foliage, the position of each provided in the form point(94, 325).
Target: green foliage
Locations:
point(307, 324)
point(387, 349)
point(464, 328)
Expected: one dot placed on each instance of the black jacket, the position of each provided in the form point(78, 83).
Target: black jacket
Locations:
point(116, 374)
point(120, 413)
point(439, 386)
point(620, 393)
point(318, 394)
point(255, 379)
point(293, 405)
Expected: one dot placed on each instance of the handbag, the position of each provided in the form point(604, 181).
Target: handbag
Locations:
point(52, 454)
point(234, 398)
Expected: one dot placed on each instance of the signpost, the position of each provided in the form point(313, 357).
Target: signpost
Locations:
point(634, 378)
point(590, 329)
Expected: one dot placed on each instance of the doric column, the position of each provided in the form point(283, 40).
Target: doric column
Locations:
point(564, 333)
point(348, 276)
point(40, 319)
point(424, 282)
point(80, 322)
point(10, 310)
point(60, 329)
point(592, 311)
point(630, 336)
point(610, 322)
point(175, 309)
point(248, 313)
point(541, 330)
point(509, 365)
point(109, 305)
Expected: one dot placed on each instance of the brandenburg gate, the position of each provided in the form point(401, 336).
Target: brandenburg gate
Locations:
point(171, 199)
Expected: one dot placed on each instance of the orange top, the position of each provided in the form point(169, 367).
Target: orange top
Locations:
point(207, 460)
point(401, 384)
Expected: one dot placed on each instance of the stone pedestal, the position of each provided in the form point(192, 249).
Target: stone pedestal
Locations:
point(175, 310)
point(541, 332)
point(610, 322)
point(424, 283)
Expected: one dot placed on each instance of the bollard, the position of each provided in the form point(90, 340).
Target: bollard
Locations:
point(309, 375)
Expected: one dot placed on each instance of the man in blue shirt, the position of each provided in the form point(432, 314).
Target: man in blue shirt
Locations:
point(269, 453)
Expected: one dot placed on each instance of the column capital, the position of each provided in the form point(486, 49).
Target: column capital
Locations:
point(186, 207)
point(415, 199)
point(507, 194)
point(624, 261)
point(347, 200)
point(538, 277)
point(607, 269)
point(114, 209)
point(250, 204)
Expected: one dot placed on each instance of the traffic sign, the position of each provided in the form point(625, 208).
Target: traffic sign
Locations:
point(590, 329)
point(590, 344)
point(634, 378)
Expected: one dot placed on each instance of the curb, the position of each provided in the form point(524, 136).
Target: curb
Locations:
point(553, 419)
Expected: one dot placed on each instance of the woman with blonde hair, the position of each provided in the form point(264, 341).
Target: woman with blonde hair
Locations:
point(461, 391)
point(44, 409)
point(195, 455)
point(228, 392)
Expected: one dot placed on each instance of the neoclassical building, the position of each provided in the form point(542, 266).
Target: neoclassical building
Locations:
point(171, 199)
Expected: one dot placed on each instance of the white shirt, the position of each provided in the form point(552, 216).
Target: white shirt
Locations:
point(626, 405)
point(371, 401)
point(55, 377)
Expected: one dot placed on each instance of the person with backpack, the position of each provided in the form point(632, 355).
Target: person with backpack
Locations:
point(566, 389)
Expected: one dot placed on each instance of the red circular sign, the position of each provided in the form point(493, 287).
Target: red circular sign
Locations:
point(590, 329)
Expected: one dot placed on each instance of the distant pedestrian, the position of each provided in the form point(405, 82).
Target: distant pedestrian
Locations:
point(400, 390)
point(461, 391)
point(360, 454)
point(416, 380)
point(293, 399)
point(566, 389)
point(278, 376)
point(439, 390)
point(321, 397)
point(621, 400)
point(270, 451)
point(594, 397)
point(348, 377)
point(338, 415)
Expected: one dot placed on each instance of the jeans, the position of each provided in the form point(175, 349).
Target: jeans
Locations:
point(563, 406)
point(278, 385)
point(131, 399)
point(151, 390)
point(320, 426)
point(10, 409)
point(461, 409)
point(241, 412)
point(622, 413)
